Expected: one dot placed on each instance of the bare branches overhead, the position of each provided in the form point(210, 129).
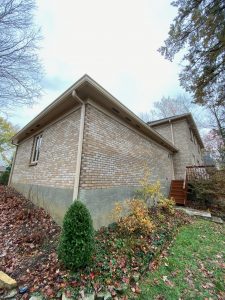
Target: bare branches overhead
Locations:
point(199, 28)
point(20, 68)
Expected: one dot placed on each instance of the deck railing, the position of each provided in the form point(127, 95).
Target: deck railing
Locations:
point(199, 172)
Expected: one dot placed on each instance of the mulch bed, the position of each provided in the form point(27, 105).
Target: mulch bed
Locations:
point(29, 239)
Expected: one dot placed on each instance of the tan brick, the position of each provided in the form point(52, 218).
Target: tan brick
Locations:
point(189, 153)
point(57, 162)
point(115, 155)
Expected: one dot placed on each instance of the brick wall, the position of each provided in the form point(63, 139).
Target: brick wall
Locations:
point(58, 154)
point(114, 155)
point(189, 151)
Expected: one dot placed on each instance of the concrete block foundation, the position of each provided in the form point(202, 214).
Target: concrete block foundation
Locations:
point(55, 201)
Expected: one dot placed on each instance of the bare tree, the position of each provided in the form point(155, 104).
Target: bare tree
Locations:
point(168, 106)
point(7, 130)
point(20, 68)
point(210, 119)
point(214, 148)
point(215, 139)
point(198, 29)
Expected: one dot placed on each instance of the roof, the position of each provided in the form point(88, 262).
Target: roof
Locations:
point(188, 117)
point(87, 88)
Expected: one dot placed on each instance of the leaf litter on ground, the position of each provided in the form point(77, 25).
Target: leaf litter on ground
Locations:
point(28, 252)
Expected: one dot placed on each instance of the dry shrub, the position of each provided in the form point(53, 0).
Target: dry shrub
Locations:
point(149, 191)
point(167, 205)
point(152, 191)
point(136, 219)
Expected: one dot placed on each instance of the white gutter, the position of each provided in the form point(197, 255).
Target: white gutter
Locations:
point(164, 141)
point(52, 105)
point(80, 146)
point(88, 80)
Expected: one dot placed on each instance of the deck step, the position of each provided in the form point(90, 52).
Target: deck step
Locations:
point(177, 192)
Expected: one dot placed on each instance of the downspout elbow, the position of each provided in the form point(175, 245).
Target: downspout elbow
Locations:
point(76, 97)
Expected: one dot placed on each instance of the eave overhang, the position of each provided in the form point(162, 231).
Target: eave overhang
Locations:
point(86, 88)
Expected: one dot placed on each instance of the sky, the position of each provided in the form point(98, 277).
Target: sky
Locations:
point(115, 42)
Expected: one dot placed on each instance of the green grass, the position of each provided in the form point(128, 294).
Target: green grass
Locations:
point(194, 267)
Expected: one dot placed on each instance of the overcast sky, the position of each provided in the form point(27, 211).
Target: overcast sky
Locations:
point(115, 42)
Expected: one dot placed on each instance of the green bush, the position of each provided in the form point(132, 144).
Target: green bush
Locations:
point(77, 239)
point(4, 178)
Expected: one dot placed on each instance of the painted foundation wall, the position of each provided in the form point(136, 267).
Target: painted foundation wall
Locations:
point(50, 183)
point(113, 162)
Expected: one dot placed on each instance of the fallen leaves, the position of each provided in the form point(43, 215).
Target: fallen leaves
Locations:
point(28, 242)
point(24, 230)
point(167, 281)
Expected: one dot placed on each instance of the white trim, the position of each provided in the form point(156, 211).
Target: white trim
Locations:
point(51, 123)
point(53, 104)
point(35, 153)
point(79, 153)
point(87, 80)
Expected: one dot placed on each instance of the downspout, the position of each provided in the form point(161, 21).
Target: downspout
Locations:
point(172, 137)
point(171, 128)
point(80, 145)
point(13, 163)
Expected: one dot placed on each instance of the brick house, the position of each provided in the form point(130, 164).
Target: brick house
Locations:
point(88, 145)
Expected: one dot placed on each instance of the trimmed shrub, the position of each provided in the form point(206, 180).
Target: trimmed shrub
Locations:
point(77, 239)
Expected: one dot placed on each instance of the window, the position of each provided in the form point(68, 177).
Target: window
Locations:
point(36, 148)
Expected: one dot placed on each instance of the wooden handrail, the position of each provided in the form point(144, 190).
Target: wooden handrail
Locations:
point(203, 166)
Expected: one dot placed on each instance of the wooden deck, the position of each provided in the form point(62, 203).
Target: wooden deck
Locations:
point(179, 188)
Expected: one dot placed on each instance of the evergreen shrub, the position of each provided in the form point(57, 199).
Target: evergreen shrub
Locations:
point(4, 177)
point(77, 239)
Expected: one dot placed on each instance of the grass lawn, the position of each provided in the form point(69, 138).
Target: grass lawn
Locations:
point(193, 268)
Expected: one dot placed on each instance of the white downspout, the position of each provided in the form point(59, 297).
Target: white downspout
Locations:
point(80, 145)
point(171, 129)
point(172, 167)
point(172, 137)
